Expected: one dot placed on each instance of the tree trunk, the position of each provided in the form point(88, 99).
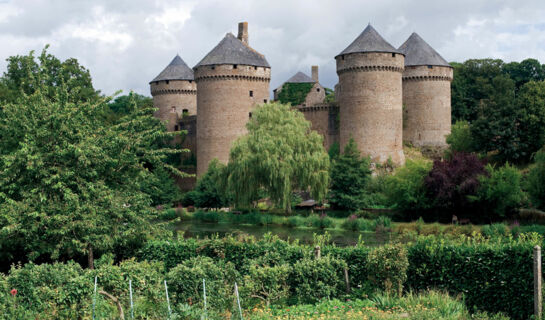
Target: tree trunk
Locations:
point(116, 301)
point(90, 257)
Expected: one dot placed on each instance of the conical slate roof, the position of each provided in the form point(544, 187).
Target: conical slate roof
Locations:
point(419, 53)
point(369, 41)
point(176, 70)
point(300, 77)
point(231, 50)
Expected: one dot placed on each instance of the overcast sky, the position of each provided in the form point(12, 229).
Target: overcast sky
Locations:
point(126, 43)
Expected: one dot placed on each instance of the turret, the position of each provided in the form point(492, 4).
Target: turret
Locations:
point(232, 80)
point(370, 97)
point(174, 93)
point(426, 94)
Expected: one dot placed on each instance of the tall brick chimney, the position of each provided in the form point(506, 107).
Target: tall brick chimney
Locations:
point(243, 32)
point(315, 76)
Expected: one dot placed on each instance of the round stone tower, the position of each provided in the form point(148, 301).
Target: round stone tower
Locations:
point(174, 93)
point(231, 80)
point(426, 94)
point(370, 98)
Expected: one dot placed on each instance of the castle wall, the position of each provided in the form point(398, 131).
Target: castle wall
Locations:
point(370, 100)
point(427, 105)
point(323, 119)
point(224, 105)
point(316, 95)
point(174, 96)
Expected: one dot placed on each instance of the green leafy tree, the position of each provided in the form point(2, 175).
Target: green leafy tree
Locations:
point(27, 74)
point(525, 71)
point(406, 190)
point(70, 184)
point(460, 139)
point(500, 191)
point(123, 105)
point(531, 112)
point(536, 181)
point(208, 192)
point(280, 154)
point(350, 174)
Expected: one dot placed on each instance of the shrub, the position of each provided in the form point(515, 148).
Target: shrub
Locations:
point(315, 279)
point(500, 191)
point(405, 189)
point(451, 181)
point(207, 216)
point(383, 223)
point(495, 230)
point(169, 214)
point(536, 181)
point(207, 193)
point(459, 139)
point(185, 281)
point(295, 221)
point(387, 267)
point(267, 283)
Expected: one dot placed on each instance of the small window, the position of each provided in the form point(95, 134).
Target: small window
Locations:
point(234, 66)
point(213, 67)
point(393, 55)
point(176, 128)
point(251, 93)
point(185, 111)
point(430, 67)
point(190, 81)
point(265, 100)
point(250, 115)
point(342, 57)
point(255, 68)
point(317, 89)
point(173, 109)
point(166, 82)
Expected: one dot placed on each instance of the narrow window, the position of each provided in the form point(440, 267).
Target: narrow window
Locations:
point(185, 111)
point(255, 68)
point(166, 82)
point(234, 66)
point(190, 81)
point(342, 57)
point(176, 128)
point(250, 115)
point(251, 93)
point(213, 67)
point(173, 109)
point(430, 67)
point(317, 89)
point(265, 100)
point(393, 55)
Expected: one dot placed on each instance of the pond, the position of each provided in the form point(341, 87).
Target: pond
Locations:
point(199, 229)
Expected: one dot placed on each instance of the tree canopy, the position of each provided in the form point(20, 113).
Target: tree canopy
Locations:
point(280, 154)
point(70, 183)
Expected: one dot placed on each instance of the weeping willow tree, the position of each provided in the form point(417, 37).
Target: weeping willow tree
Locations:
point(280, 154)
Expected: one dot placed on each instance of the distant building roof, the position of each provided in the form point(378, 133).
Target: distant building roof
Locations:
point(300, 77)
point(369, 41)
point(231, 50)
point(176, 70)
point(419, 53)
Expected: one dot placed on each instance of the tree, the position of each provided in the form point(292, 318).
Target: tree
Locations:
point(25, 75)
point(122, 105)
point(208, 192)
point(406, 190)
point(460, 139)
point(70, 184)
point(350, 174)
point(524, 71)
point(536, 181)
point(531, 111)
point(280, 154)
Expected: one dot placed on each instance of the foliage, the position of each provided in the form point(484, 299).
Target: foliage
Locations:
point(334, 151)
point(460, 139)
point(280, 154)
point(315, 279)
point(267, 283)
point(500, 191)
point(27, 75)
point(207, 192)
point(531, 109)
point(349, 174)
point(536, 181)
point(451, 181)
point(185, 281)
point(405, 189)
point(494, 275)
point(294, 93)
point(329, 95)
point(387, 267)
point(70, 184)
point(122, 105)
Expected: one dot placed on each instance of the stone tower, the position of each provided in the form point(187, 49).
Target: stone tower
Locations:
point(370, 97)
point(174, 93)
point(231, 80)
point(426, 94)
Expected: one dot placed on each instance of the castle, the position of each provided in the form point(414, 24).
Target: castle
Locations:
point(385, 97)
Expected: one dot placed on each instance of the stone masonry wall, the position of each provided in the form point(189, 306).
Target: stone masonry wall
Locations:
point(427, 105)
point(323, 119)
point(370, 104)
point(224, 103)
point(174, 96)
point(316, 95)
